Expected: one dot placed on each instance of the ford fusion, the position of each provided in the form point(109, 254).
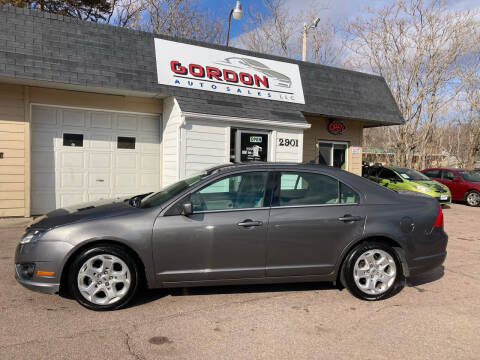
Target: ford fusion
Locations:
point(236, 224)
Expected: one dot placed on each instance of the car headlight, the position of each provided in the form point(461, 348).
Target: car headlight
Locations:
point(31, 236)
point(422, 188)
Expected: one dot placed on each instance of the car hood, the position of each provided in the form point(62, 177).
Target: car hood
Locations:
point(90, 210)
point(431, 184)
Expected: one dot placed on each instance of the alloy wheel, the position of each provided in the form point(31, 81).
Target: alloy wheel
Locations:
point(104, 279)
point(473, 198)
point(374, 272)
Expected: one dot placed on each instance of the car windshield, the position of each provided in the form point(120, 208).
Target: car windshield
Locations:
point(411, 174)
point(170, 191)
point(469, 175)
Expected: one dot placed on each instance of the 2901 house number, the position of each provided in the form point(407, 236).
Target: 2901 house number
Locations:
point(288, 142)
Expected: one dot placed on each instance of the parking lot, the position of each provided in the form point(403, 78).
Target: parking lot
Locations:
point(435, 316)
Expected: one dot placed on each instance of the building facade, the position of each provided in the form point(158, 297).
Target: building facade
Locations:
point(91, 111)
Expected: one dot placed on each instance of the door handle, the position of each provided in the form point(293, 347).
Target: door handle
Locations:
point(348, 218)
point(249, 223)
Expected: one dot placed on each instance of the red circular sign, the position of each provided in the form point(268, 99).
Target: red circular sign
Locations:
point(336, 126)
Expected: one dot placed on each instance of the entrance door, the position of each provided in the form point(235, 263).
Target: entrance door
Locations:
point(333, 154)
point(251, 145)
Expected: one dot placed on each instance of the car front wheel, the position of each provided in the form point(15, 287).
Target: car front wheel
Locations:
point(104, 278)
point(372, 271)
point(473, 198)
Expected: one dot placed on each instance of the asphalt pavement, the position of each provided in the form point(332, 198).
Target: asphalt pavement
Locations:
point(436, 316)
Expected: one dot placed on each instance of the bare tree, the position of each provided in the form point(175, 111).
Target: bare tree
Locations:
point(278, 31)
point(417, 47)
point(183, 18)
point(126, 13)
point(464, 127)
point(271, 32)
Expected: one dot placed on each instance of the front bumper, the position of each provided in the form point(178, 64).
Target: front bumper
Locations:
point(45, 256)
point(448, 200)
point(43, 287)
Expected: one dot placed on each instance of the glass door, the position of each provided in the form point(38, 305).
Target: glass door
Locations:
point(251, 145)
point(333, 154)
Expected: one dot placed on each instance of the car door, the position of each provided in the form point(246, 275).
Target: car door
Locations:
point(224, 237)
point(313, 217)
point(389, 178)
point(454, 185)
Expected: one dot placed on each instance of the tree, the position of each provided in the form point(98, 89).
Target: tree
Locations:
point(417, 46)
point(93, 10)
point(277, 30)
point(183, 18)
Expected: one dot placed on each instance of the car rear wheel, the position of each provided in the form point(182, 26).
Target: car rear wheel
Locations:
point(104, 278)
point(473, 198)
point(372, 271)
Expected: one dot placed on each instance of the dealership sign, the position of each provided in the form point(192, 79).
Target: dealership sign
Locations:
point(201, 68)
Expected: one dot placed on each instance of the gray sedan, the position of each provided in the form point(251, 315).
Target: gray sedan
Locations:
point(236, 224)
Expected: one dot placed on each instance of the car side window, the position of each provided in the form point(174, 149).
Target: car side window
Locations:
point(448, 175)
point(348, 195)
point(239, 191)
point(433, 173)
point(309, 189)
point(388, 174)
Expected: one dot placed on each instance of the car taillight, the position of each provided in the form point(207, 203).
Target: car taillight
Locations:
point(439, 219)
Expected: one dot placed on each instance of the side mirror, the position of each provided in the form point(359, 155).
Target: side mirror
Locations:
point(393, 180)
point(136, 201)
point(455, 179)
point(187, 209)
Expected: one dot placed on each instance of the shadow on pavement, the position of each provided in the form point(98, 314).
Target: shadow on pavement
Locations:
point(146, 296)
point(427, 277)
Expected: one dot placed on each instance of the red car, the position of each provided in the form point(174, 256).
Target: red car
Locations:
point(463, 184)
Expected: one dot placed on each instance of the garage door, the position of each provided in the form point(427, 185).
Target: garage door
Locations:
point(80, 156)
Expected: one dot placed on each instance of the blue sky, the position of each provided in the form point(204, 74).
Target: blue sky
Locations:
point(336, 10)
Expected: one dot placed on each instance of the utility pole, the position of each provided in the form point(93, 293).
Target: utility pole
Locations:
point(306, 28)
point(304, 46)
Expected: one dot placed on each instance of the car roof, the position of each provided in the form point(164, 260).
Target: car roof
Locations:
point(444, 168)
point(269, 165)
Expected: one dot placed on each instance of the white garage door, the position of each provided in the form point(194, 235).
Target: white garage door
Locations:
point(81, 155)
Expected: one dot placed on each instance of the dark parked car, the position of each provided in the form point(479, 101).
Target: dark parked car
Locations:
point(463, 184)
point(237, 224)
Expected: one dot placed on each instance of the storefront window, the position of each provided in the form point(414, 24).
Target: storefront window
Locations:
point(333, 154)
point(248, 145)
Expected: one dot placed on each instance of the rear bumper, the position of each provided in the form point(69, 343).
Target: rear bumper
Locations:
point(426, 263)
point(432, 255)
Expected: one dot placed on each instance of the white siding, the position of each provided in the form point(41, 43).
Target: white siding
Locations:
point(172, 119)
point(288, 153)
point(206, 144)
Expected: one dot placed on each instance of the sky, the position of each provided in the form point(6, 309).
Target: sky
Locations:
point(336, 10)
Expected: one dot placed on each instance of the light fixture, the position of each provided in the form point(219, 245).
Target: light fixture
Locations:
point(237, 14)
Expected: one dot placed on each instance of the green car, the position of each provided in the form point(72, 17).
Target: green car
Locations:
point(398, 178)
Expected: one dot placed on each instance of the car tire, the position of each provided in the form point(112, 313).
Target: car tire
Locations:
point(372, 271)
point(473, 198)
point(104, 278)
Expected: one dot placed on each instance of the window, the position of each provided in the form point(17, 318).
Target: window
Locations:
point(240, 191)
point(388, 174)
point(73, 140)
point(348, 195)
point(124, 142)
point(448, 175)
point(306, 189)
point(433, 173)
